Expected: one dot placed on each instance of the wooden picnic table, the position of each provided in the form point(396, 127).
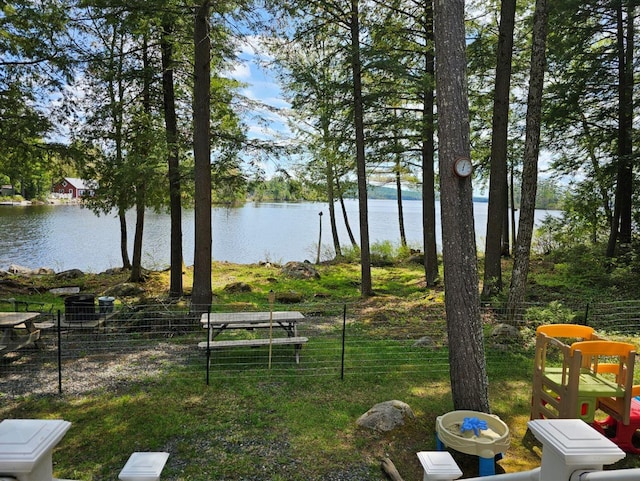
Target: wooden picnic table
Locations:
point(17, 329)
point(217, 322)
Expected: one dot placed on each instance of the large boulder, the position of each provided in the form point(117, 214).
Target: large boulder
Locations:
point(126, 289)
point(237, 287)
point(386, 416)
point(17, 269)
point(26, 271)
point(289, 297)
point(426, 342)
point(505, 336)
point(70, 274)
point(43, 271)
point(300, 270)
point(20, 270)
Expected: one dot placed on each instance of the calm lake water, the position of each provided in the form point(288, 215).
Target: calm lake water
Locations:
point(66, 237)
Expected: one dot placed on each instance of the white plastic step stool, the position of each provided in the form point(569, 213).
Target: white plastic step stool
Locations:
point(438, 465)
point(144, 467)
point(26, 447)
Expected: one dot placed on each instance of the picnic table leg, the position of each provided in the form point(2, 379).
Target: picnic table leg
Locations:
point(31, 328)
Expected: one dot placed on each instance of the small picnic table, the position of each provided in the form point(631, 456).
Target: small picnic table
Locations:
point(17, 329)
point(217, 322)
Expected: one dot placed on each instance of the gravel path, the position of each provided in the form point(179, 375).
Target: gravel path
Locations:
point(22, 375)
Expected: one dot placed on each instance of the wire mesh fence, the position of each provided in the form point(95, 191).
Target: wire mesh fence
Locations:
point(104, 350)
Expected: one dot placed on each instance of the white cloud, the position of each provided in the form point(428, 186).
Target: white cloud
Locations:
point(241, 71)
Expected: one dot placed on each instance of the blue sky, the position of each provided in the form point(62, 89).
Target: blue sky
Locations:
point(262, 87)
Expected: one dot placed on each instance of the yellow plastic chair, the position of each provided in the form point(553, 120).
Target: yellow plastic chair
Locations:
point(552, 396)
point(605, 379)
point(568, 331)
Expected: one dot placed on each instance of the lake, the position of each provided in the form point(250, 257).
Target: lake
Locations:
point(63, 237)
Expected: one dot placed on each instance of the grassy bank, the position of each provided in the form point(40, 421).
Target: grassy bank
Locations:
point(251, 425)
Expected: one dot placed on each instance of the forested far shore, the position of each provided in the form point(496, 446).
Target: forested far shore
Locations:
point(549, 197)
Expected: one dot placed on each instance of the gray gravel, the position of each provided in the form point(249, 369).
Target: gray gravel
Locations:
point(20, 375)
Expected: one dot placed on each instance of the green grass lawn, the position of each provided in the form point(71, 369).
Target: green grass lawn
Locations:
point(244, 426)
point(251, 423)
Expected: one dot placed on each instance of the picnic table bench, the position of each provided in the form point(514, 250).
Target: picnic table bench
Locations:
point(17, 330)
point(218, 322)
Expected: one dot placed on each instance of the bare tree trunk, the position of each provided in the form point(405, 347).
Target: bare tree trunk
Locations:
point(124, 253)
point(621, 226)
point(358, 113)
point(428, 157)
point(347, 225)
point(173, 162)
point(469, 384)
point(530, 160)
point(201, 293)
point(330, 194)
point(136, 266)
point(140, 188)
point(403, 235)
point(506, 238)
point(332, 211)
point(498, 180)
point(512, 202)
point(116, 96)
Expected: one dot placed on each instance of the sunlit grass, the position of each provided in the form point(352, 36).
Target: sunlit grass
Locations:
point(227, 429)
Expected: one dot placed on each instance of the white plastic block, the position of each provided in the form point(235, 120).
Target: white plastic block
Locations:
point(569, 445)
point(144, 467)
point(26, 446)
point(439, 465)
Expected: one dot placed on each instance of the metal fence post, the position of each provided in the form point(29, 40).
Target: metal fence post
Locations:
point(586, 315)
point(208, 341)
point(344, 331)
point(59, 354)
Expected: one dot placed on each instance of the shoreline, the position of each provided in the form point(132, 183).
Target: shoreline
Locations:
point(49, 201)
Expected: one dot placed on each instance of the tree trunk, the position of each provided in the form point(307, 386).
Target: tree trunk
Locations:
point(428, 159)
point(345, 216)
point(530, 160)
point(116, 97)
point(140, 188)
point(512, 202)
point(506, 238)
point(332, 212)
point(621, 226)
point(498, 180)
point(173, 162)
point(469, 384)
point(201, 293)
point(403, 235)
point(124, 253)
point(365, 257)
point(136, 266)
point(330, 192)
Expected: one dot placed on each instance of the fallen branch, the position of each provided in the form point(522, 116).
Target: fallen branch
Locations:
point(390, 468)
